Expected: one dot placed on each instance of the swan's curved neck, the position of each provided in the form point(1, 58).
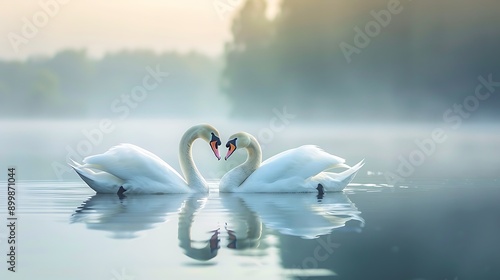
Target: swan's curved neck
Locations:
point(254, 158)
point(189, 169)
point(240, 173)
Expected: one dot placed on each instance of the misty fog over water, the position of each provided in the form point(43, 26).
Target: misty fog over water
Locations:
point(40, 148)
point(412, 87)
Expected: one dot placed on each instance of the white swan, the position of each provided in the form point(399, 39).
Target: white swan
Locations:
point(131, 169)
point(303, 169)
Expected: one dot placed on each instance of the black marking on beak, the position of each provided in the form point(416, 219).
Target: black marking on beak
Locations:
point(214, 144)
point(231, 145)
point(216, 139)
point(232, 141)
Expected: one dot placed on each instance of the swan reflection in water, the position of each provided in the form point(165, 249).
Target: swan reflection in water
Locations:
point(303, 215)
point(244, 227)
point(125, 217)
point(208, 248)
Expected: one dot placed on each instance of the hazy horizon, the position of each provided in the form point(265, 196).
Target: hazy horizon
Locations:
point(382, 61)
point(113, 26)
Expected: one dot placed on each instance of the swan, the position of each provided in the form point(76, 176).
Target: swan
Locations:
point(303, 169)
point(134, 170)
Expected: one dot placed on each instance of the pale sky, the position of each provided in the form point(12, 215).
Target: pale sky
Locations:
point(102, 26)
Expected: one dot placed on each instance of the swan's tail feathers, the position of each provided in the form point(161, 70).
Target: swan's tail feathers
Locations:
point(340, 165)
point(87, 179)
point(347, 176)
point(100, 182)
point(335, 182)
point(73, 163)
point(85, 174)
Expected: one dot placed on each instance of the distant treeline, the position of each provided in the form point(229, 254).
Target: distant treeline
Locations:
point(373, 60)
point(129, 83)
point(364, 60)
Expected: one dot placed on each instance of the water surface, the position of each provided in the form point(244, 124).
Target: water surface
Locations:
point(371, 231)
point(441, 222)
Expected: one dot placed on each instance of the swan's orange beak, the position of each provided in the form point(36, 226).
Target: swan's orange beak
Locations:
point(231, 146)
point(230, 151)
point(214, 144)
point(215, 149)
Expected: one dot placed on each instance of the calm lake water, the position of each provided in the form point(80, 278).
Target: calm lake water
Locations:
point(441, 222)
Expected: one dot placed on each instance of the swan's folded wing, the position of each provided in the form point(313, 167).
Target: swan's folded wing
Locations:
point(303, 162)
point(129, 162)
point(99, 181)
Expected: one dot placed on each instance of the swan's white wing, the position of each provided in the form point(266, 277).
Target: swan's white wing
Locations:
point(337, 181)
point(99, 181)
point(134, 164)
point(291, 167)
